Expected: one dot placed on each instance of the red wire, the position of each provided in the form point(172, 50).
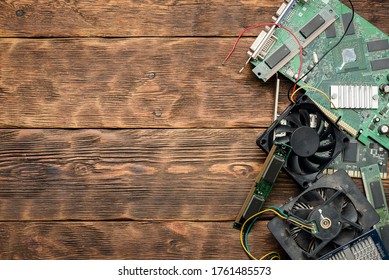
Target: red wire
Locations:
point(267, 24)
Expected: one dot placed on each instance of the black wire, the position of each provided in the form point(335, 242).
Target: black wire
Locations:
point(327, 52)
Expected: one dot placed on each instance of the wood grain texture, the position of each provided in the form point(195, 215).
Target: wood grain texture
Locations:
point(130, 240)
point(123, 137)
point(130, 83)
point(186, 174)
point(101, 18)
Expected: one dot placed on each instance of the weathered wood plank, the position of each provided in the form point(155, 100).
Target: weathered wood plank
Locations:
point(128, 174)
point(148, 18)
point(126, 83)
point(184, 174)
point(130, 240)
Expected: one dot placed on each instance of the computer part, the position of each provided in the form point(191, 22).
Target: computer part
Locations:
point(353, 75)
point(314, 140)
point(337, 208)
point(375, 194)
point(263, 183)
point(368, 246)
point(356, 155)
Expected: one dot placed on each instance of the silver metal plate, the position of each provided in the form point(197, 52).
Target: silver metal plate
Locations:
point(354, 97)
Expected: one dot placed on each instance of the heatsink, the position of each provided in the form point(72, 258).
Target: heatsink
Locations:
point(354, 97)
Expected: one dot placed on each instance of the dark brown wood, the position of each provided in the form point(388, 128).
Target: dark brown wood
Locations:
point(186, 174)
point(148, 18)
point(123, 137)
point(125, 83)
point(130, 240)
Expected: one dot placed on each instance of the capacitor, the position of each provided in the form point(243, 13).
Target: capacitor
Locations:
point(384, 88)
point(376, 119)
point(315, 58)
point(383, 129)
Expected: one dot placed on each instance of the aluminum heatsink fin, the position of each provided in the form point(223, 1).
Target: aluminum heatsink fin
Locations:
point(354, 97)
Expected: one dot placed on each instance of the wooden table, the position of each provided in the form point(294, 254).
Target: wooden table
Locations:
point(122, 135)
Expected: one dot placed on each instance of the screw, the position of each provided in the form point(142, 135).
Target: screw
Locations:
point(19, 13)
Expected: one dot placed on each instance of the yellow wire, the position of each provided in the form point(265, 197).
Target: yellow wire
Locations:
point(269, 254)
point(298, 223)
point(244, 225)
point(256, 215)
point(315, 89)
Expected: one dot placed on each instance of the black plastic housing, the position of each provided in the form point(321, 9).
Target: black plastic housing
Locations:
point(299, 112)
point(342, 184)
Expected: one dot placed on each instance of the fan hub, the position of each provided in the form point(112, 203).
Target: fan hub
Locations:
point(305, 141)
point(328, 221)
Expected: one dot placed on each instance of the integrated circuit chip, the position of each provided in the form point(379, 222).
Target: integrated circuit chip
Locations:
point(346, 18)
point(350, 153)
point(277, 56)
point(253, 207)
point(378, 45)
point(376, 191)
point(331, 31)
point(384, 233)
point(312, 26)
point(350, 56)
point(273, 169)
point(380, 64)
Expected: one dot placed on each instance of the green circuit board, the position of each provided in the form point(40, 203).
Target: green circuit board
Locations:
point(264, 183)
point(359, 64)
point(375, 194)
point(356, 155)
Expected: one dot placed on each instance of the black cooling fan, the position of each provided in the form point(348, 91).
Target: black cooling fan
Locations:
point(337, 207)
point(315, 141)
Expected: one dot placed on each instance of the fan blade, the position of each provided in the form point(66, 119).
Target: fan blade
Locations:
point(329, 247)
point(327, 146)
point(312, 198)
point(303, 239)
point(304, 117)
point(284, 129)
point(349, 212)
point(327, 131)
point(307, 166)
point(293, 163)
point(335, 200)
point(283, 139)
point(293, 119)
point(320, 248)
point(302, 213)
point(328, 192)
point(319, 158)
point(345, 236)
point(319, 124)
point(323, 193)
